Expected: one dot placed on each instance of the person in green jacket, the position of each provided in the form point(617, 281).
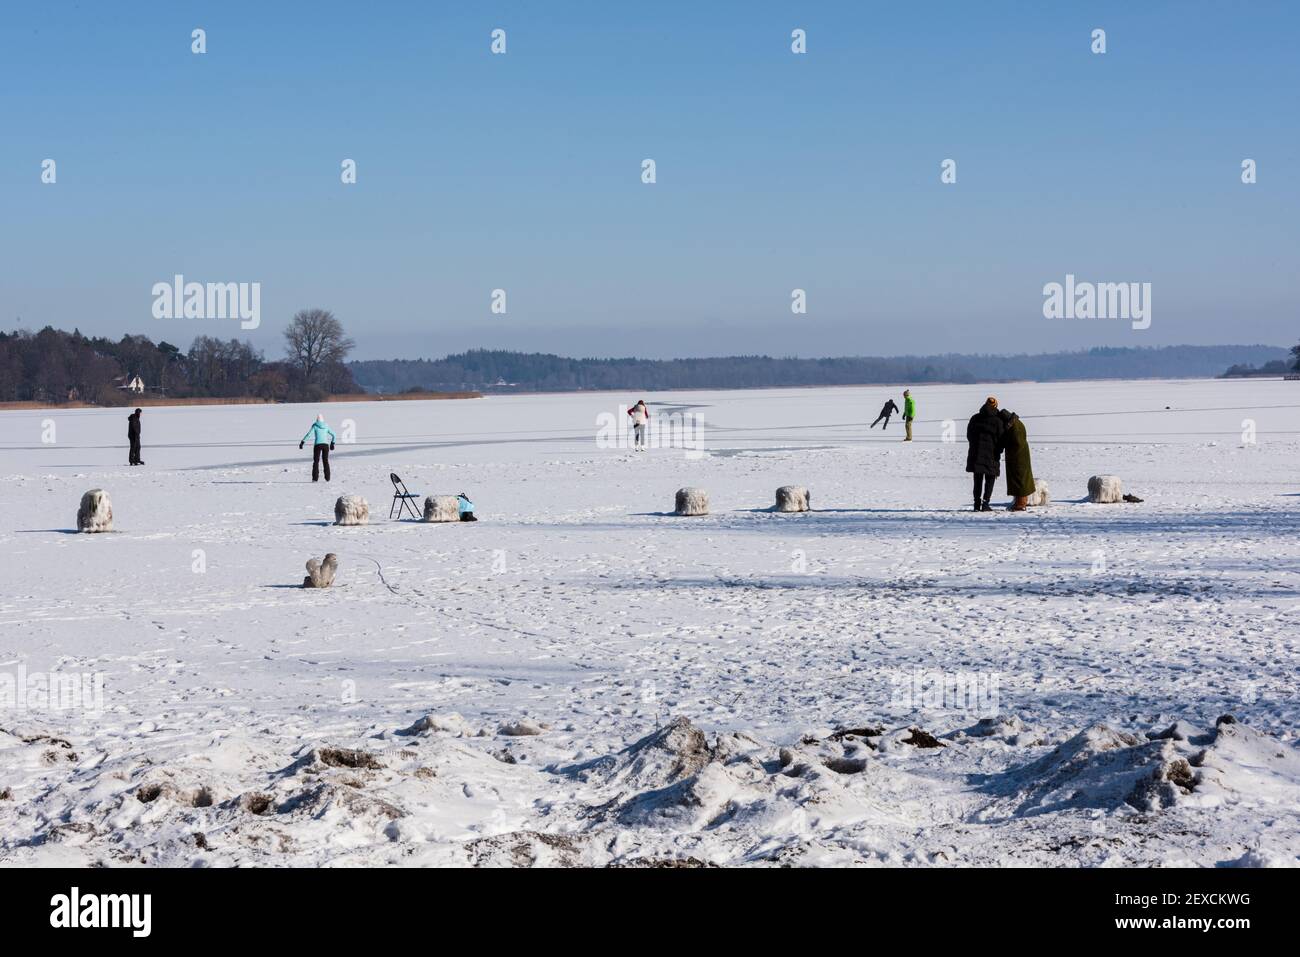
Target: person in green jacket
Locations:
point(322, 437)
point(909, 413)
point(1020, 471)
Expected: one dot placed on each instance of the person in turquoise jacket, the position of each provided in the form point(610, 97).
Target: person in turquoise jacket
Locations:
point(322, 437)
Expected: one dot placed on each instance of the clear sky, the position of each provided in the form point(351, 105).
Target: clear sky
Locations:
point(775, 171)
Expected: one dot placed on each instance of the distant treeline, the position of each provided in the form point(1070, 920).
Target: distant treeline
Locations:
point(55, 366)
point(500, 371)
point(1276, 367)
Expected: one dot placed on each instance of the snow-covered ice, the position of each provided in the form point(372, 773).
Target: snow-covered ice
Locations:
point(582, 677)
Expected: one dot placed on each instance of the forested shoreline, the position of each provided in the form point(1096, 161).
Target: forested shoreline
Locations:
point(56, 367)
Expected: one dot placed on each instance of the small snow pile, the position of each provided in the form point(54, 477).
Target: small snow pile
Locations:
point(845, 751)
point(176, 786)
point(95, 513)
point(909, 739)
point(343, 803)
point(1105, 489)
point(441, 508)
point(922, 739)
point(524, 727)
point(320, 574)
point(692, 501)
point(675, 751)
point(1257, 857)
point(343, 758)
point(331, 787)
point(526, 849)
point(671, 777)
point(1240, 764)
point(792, 498)
point(1007, 728)
point(1041, 495)
point(451, 723)
point(1102, 768)
point(351, 510)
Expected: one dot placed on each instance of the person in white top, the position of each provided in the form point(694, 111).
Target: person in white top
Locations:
point(640, 418)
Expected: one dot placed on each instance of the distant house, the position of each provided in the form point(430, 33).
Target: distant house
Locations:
point(131, 384)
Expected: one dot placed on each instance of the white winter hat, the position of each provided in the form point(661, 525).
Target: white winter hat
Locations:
point(320, 417)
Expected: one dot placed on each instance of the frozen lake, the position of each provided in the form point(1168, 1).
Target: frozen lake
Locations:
point(245, 719)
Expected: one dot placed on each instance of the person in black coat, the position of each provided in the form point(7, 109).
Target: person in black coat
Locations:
point(984, 438)
point(885, 413)
point(133, 436)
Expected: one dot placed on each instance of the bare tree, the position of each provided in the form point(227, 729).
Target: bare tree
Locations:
point(314, 339)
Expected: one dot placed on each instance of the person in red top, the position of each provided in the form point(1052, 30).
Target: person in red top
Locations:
point(640, 418)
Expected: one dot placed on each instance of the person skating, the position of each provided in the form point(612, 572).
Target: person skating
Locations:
point(640, 417)
point(984, 447)
point(133, 436)
point(886, 411)
point(322, 437)
point(909, 413)
point(1020, 472)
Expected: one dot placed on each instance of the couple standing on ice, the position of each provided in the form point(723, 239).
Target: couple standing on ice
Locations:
point(991, 433)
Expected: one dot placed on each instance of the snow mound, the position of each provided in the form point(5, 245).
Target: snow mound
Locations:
point(351, 510)
point(1105, 489)
point(320, 574)
point(675, 751)
point(699, 801)
point(526, 849)
point(450, 723)
point(524, 727)
point(1256, 857)
point(692, 501)
point(320, 758)
point(1240, 764)
point(333, 802)
point(95, 513)
point(1103, 768)
point(792, 498)
point(173, 787)
point(1041, 495)
point(1100, 768)
point(441, 508)
point(670, 778)
point(1007, 728)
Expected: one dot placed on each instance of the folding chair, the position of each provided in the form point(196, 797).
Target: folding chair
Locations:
point(401, 499)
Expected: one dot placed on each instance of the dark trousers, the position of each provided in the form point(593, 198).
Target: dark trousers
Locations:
point(987, 482)
point(882, 416)
point(321, 454)
point(135, 452)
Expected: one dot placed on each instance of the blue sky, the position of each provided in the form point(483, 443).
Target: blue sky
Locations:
point(775, 171)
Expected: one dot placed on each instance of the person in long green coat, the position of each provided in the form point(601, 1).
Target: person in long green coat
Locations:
point(1020, 471)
